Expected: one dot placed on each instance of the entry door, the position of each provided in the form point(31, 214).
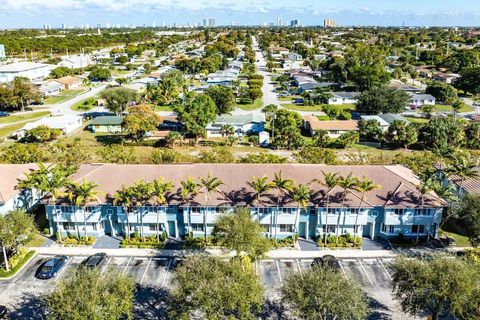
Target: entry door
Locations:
point(302, 232)
point(367, 230)
point(171, 229)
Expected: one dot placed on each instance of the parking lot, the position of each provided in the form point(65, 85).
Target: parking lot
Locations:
point(154, 276)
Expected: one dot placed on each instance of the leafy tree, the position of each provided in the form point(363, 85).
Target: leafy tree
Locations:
point(87, 294)
point(347, 139)
point(401, 134)
point(41, 134)
point(370, 130)
point(464, 168)
point(237, 231)
point(440, 288)
point(227, 130)
point(255, 93)
point(301, 194)
point(18, 93)
point(262, 157)
point(322, 293)
point(118, 99)
point(469, 80)
point(427, 110)
point(321, 139)
point(61, 72)
point(16, 228)
point(172, 138)
point(462, 59)
point(457, 105)
point(124, 196)
point(121, 81)
point(22, 153)
point(169, 88)
point(196, 113)
point(468, 212)
point(472, 135)
point(442, 91)
point(287, 129)
point(441, 132)
point(164, 156)
point(216, 155)
point(122, 59)
point(70, 153)
point(223, 98)
point(140, 120)
point(159, 190)
point(315, 155)
point(211, 288)
point(99, 74)
point(382, 100)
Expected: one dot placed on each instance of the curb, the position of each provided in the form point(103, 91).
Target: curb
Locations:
point(21, 268)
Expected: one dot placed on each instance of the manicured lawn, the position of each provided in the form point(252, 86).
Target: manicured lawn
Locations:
point(257, 104)
point(298, 107)
point(65, 95)
point(289, 98)
point(24, 117)
point(460, 240)
point(8, 130)
point(443, 108)
point(163, 108)
point(417, 120)
point(84, 105)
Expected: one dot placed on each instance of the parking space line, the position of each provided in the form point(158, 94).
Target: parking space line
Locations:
point(365, 271)
point(343, 270)
point(145, 272)
point(298, 266)
point(386, 271)
point(166, 272)
point(63, 269)
point(125, 269)
point(278, 270)
point(106, 266)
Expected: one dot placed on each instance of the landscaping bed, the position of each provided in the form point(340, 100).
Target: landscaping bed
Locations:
point(73, 241)
point(149, 242)
point(16, 262)
point(345, 241)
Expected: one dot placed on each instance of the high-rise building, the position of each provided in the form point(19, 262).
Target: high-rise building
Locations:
point(294, 23)
point(212, 22)
point(64, 26)
point(205, 22)
point(329, 23)
point(279, 22)
point(3, 56)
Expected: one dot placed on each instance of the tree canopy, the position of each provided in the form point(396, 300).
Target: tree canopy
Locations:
point(117, 99)
point(223, 98)
point(382, 100)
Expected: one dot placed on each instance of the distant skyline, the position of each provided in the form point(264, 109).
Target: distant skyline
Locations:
point(36, 13)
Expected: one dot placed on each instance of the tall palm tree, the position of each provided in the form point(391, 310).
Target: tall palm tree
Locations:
point(210, 184)
point(363, 186)
point(261, 186)
point(124, 197)
point(456, 106)
point(283, 186)
point(346, 183)
point(465, 169)
point(301, 195)
point(80, 194)
point(188, 191)
point(160, 188)
point(448, 194)
point(330, 181)
point(142, 193)
point(227, 130)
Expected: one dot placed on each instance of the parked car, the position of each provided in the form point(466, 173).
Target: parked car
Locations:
point(3, 312)
point(327, 261)
point(4, 114)
point(51, 267)
point(95, 261)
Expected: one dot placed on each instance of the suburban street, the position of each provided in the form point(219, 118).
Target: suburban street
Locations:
point(153, 276)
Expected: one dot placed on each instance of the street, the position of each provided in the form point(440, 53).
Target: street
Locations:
point(153, 276)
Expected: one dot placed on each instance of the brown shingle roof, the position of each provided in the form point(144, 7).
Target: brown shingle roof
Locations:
point(9, 176)
point(331, 125)
point(398, 187)
point(68, 80)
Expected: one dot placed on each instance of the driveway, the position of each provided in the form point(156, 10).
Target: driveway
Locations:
point(107, 242)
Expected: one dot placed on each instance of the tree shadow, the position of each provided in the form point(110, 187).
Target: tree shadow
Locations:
point(151, 303)
point(31, 307)
point(273, 309)
point(109, 139)
point(379, 311)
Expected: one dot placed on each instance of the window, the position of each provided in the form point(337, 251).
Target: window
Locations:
point(352, 211)
point(152, 226)
point(332, 211)
point(398, 212)
point(262, 211)
point(286, 211)
point(94, 226)
point(195, 210)
point(313, 211)
point(331, 228)
point(416, 228)
point(423, 212)
point(286, 228)
point(197, 226)
point(68, 226)
point(388, 228)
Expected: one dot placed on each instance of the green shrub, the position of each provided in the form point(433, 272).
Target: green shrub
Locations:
point(46, 231)
point(16, 262)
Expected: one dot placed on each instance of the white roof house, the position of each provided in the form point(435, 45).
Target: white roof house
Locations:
point(78, 61)
point(67, 124)
point(30, 70)
point(51, 88)
point(421, 99)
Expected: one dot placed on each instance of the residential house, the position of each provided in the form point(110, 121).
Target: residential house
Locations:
point(30, 70)
point(340, 98)
point(252, 123)
point(110, 124)
point(295, 56)
point(12, 198)
point(449, 78)
point(397, 84)
point(418, 100)
point(50, 88)
point(383, 124)
point(75, 62)
point(319, 57)
point(279, 50)
point(66, 123)
point(223, 77)
point(69, 82)
point(391, 117)
point(463, 186)
point(393, 210)
point(335, 128)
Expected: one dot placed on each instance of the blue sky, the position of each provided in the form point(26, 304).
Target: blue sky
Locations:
point(35, 13)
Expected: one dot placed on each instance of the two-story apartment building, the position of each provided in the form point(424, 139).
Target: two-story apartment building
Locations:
point(392, 210)
point(11, 197)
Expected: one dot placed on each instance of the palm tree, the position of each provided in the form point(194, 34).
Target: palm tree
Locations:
point(283, 186)
point(260, 185)
point(330, 181)
point(448, 194)
point(172, 138)
point(346, 183)
point(142, 193)
point(227, 130)
point(456, 106)
point(210, 184)
point(160, 188)
point(363, 186)
point(80, 194)
point(464, 169)
point(188, 191)
point(301, 195)
point(125, 197)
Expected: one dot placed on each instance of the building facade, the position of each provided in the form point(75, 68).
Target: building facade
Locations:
point(388, 212)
